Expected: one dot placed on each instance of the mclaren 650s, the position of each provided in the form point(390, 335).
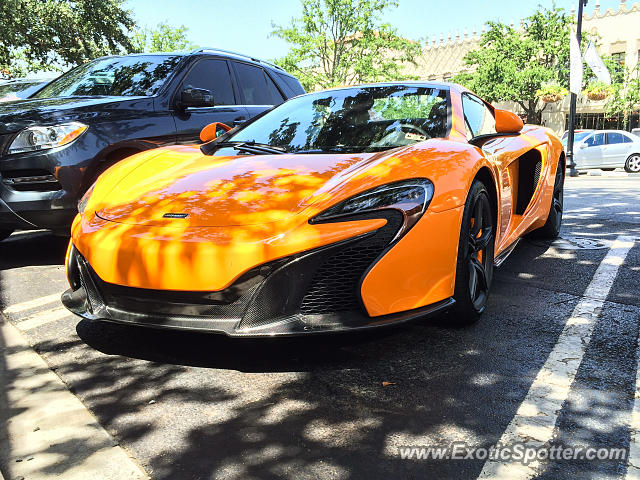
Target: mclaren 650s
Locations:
point(338, 210)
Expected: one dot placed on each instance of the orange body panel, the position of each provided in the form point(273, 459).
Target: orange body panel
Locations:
point(245, 211)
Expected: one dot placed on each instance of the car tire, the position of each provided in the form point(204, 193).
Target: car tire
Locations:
point(551, 228)
point(4, 233)
point(474, 267)
point(632, 165)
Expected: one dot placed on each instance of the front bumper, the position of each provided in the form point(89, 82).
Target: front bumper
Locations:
point(41, 189)
point(310, 292)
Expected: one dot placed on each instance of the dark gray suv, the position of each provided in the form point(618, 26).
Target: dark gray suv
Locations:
point(54, 144)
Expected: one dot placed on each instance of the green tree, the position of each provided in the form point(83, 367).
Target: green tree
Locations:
point(48, 34)
point(163, 38)
point(340, 42)
point(625, 98)
point(514, 64)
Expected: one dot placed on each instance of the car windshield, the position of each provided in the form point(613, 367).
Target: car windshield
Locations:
point(118, 76)
point(358, 119)
point(577, 136)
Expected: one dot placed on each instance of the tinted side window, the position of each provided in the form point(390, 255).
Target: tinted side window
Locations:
point(626, 139)
point(290, 85)
point(478, 118)
point(253, 84)
point(276, 96)
point(615, 137)
point(595, 140)
point(213, 75)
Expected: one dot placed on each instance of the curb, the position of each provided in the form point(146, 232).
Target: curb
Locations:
point(47, 426)
point(600, 173)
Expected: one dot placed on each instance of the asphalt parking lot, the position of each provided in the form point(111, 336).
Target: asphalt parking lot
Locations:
point(194, 406)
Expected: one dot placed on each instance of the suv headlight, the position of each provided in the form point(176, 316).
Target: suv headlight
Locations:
point(410, 197)
point(42, 138)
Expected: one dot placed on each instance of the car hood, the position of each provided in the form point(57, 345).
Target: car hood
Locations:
point(179, 186)
point(18, 114)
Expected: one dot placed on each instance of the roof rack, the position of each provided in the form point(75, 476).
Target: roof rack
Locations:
point(220, 50)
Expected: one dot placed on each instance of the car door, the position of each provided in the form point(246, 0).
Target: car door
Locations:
point(212, 74)
point(617, 149)
point(479, 121)
point(257, 90)
point(589, 153)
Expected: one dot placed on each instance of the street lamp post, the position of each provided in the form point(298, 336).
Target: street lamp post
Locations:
point(571, 164)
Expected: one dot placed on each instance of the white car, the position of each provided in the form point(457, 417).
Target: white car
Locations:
point(608, 149)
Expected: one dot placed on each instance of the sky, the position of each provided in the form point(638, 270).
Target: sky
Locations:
point(245, 26)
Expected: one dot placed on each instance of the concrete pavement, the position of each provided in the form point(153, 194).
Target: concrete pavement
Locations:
point(49, 432)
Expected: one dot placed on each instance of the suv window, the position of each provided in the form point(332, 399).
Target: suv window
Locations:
point(478, 118)
point(595, 140)
point(290, 85)
point(213, 75)
point(253, 84)
point(276, 96)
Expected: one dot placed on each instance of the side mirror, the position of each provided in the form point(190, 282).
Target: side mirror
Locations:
point(213, 130)
point(583, 145)
point(196, 97)
point(507, 122)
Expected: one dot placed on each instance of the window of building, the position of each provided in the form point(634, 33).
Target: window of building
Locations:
point(478, 118)
point(600, 121)
point(619, 58)
point(212, 75)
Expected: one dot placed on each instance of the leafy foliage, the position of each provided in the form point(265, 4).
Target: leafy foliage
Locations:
point(598, 88)
point(552, 89)
point(625, 94)
point(162, 38)
point(341, 42)
point(46, 34)
point(515, 64)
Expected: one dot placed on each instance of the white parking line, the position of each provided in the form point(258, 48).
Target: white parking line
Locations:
point(535, 420)
point(35, 303)
point(633, 465)
point(42, 318)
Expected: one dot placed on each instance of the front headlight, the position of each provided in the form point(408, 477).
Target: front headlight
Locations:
point(42, 138)
point(410, 197)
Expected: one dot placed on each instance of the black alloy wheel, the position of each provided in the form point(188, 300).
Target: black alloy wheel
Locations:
point(474, 270)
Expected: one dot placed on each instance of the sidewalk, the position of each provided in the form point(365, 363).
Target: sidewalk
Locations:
point(50, 432)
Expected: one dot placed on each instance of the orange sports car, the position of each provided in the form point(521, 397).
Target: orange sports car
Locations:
point(343, 209)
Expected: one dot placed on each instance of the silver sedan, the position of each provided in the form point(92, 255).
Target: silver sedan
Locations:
point(607, 149)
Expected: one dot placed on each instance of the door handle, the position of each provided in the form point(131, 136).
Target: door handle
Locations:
point(239, 121)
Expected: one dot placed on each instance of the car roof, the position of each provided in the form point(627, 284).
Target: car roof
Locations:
point(407, 83)
point(611, 131)
point(209, 50)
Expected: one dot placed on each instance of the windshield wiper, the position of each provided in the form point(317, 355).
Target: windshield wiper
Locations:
point(250, 146)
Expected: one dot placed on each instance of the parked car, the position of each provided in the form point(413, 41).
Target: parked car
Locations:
point(636, 131)
point(20, 88)
point(343, 209)
point(577, 136)
point(55, 144)
point(607, 150)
